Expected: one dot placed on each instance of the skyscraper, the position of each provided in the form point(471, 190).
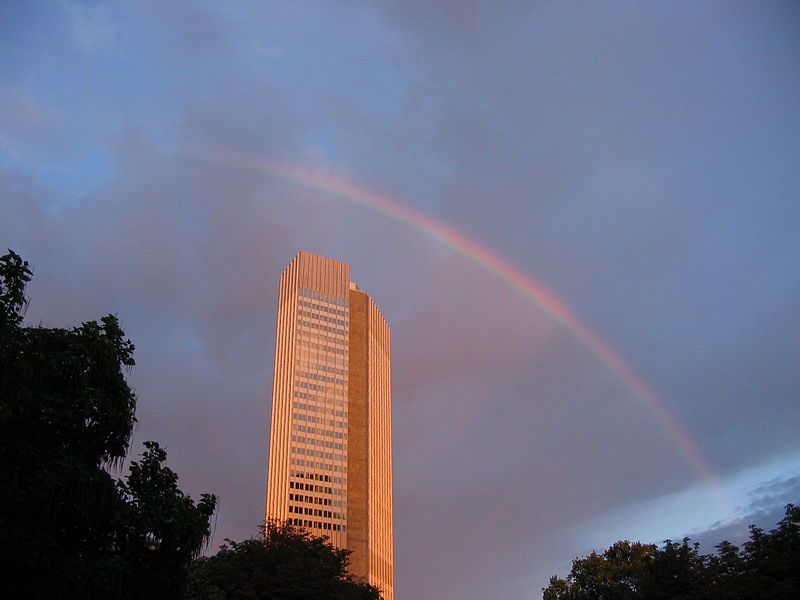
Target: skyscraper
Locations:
point(330, 452)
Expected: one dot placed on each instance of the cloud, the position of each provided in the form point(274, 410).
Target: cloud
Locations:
point(776, 492)
point(766, 509)
point(93, 27)
point(626, 161)
point(28, 126)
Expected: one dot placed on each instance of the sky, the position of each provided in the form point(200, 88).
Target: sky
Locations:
point(639, 161)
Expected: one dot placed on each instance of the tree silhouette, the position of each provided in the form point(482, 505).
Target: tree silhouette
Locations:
point(67, 528)
point(287, 563)
point(766, 567)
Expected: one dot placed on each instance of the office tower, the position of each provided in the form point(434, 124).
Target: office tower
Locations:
point(330, 452)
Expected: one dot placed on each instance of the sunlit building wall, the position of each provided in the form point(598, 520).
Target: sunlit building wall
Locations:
point(330, 455)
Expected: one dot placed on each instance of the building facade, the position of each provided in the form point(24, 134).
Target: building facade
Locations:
point(330, 453)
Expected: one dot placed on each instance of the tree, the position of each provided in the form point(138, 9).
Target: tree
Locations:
point(161, 529)
point(287, 563)
point(67, 528)
point(767, 567)
point(615, 575)
point(676, 571)
point(771, 561)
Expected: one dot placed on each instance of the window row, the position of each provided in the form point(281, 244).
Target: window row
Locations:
point(314, 512)
point(316, 477)
point(323, 297)
point(328, 395)
point(321, 409)
point(314, 500)
point(317, 317)
point(310, 487)
point(299, 450)
point(337, 399)
point(313, 348)
point(309, 441)
point(310, 386)
point(339, 435)
point(319, 420)
point(317, 524)
point(342, 312)
point(311, 464)
point(325, 378)
point(322, 367)
point(313, 326)
point(317, 337)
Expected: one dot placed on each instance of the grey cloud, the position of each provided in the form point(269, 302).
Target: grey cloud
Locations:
point(619, 158)
point(93, 28)
point(776, 492)
point(765, 511)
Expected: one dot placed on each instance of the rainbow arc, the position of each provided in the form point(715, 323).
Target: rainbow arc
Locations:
point(502, 269)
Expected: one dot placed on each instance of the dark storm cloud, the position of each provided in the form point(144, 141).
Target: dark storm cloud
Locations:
point(639, 160)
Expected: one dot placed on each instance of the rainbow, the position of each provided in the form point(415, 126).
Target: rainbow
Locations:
point(503, 270)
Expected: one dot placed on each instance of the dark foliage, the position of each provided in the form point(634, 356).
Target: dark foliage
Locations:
point(767, 567)
point(286, 564)
point(67, 528)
